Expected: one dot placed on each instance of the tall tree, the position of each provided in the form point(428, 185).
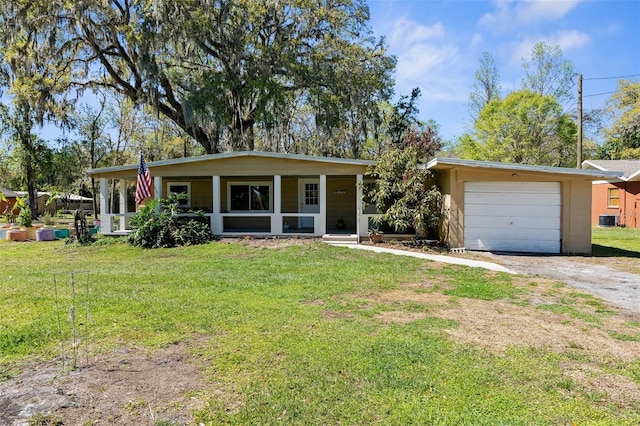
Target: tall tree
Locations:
point(525, 127)
point(546, 72)
point(219, 68)
point(405, 192)
point(622, 138)
point(35, 70)
point(486, 85)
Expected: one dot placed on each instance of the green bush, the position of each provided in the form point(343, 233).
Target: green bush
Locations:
point(159, 224)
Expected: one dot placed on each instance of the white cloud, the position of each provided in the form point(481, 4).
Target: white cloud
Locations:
point(566, 40)
point(543, 10)
point(408, 32)
point(426, 59)
point(507, 14)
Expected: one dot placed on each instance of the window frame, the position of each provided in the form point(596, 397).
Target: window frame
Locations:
point(250, 184)
point(611, 197)
point(183, 203)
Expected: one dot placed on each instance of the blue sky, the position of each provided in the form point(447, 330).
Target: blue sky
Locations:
point(439, 43)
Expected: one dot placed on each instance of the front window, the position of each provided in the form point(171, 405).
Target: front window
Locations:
point(249, 196)
point(614, 197)
point(181, 188)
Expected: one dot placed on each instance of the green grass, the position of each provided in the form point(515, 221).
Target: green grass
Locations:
point(614, 241)
point(272, 350)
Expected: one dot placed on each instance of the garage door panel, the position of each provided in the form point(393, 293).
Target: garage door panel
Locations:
point(514, 198)
point(512, 216)
point(531, 187)
point(514, 246)
point(531, 234)
point(511, 222)
point(486, 211)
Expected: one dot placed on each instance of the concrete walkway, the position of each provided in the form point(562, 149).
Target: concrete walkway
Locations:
point(434, 257)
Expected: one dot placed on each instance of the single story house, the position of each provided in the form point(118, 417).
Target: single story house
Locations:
point(488, 206)
point(492, 206)
point(616, 201)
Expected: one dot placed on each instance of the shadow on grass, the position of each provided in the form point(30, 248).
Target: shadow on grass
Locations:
point(605, 251)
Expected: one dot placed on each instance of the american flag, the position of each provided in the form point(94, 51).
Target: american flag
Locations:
point(143, 186)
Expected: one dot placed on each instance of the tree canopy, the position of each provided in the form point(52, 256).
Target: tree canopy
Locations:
point(226, 72)
point(524, 127)
point(622, 138)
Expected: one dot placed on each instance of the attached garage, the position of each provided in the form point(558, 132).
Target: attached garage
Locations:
point(515, 217)
point(492, 206)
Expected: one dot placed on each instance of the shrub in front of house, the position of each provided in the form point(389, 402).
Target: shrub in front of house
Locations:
point(159, 224)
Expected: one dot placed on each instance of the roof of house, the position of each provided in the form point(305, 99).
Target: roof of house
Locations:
point(449, 163)
point(38, 193)
point(630, 168)
point(8, 193)
point(237, 154)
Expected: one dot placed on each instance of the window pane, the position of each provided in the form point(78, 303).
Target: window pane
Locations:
point(260, 197)
point(614, 197)
point(311, 194)
point(240, 197)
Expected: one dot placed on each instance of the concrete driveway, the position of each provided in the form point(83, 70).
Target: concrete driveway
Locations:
point(620, 288)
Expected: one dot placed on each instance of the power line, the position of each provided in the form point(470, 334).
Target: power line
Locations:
point(612, 78)
point(598, 94)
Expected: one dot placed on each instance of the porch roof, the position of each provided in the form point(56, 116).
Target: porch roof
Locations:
point(257, 162)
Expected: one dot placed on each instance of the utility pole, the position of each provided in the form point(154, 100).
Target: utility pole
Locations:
point(579, 121)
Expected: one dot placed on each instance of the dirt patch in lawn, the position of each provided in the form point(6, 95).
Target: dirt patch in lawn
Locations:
point(128, 386)
point(585, 331)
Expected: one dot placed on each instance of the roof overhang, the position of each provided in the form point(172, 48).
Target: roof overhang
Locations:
point(453, 163)
point(131, 169)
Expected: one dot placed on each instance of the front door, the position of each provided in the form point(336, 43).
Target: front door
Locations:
point(309, 199)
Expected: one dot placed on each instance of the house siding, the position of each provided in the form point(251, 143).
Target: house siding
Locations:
point(629, 208)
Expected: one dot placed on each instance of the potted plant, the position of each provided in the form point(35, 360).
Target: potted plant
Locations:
point(26, 221)
point(375, 235)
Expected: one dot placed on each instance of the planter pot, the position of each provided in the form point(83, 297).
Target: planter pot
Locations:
point(376, 238)
point(44, 234)
point(16, 235)
point(31, 232)
point(61, 233)
point(3, 233)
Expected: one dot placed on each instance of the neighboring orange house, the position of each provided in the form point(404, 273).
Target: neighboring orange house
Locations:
point(616, 201)
point(10, 197)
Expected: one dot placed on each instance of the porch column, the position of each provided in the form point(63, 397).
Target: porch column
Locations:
point(122, 189)
point(105, 217)
point(276, 217)
point(216, 219)
point(359, 180)
point(321, 228)
point(157, 187)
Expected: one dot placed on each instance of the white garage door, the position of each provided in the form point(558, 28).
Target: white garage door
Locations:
point(512, 216)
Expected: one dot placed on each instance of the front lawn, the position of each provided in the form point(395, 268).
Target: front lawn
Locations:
point(299, 332)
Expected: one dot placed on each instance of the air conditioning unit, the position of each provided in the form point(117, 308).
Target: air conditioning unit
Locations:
point(608, 220)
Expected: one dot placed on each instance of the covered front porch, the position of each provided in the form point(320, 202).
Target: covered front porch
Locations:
point(307, 196)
